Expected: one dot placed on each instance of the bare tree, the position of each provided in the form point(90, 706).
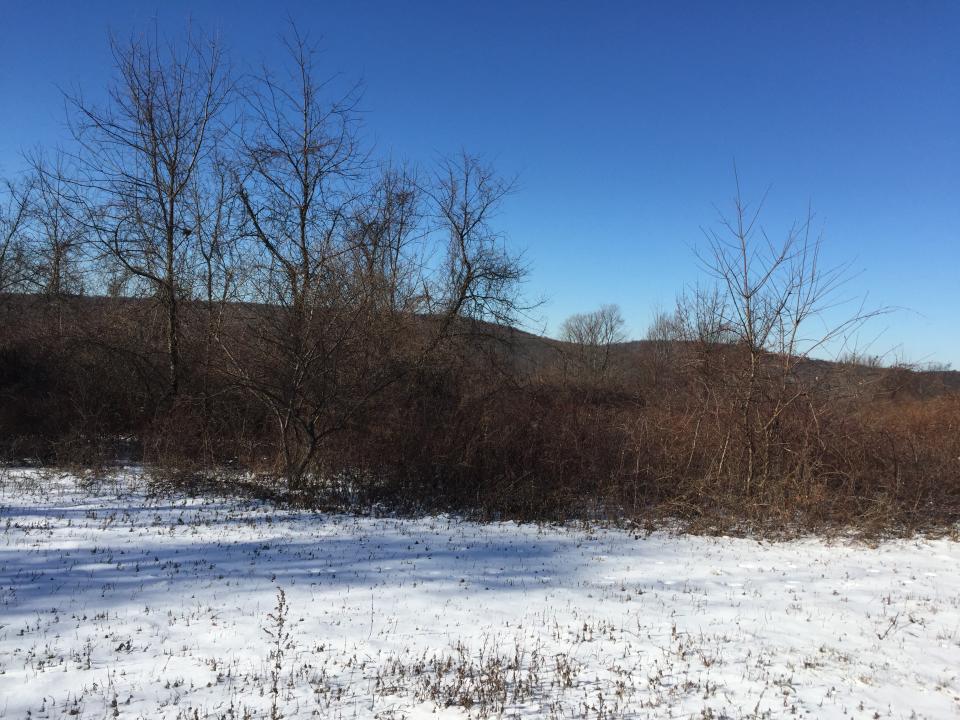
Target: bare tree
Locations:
point(700, 318)
point(297, 182)
point(664, 336)
point(593, 335)
point(139, 155)
point(57, 235)
point(363, 275)
point(778, 305)
point(214, 216)
point(216, 274)
point(14, 216)
point(480, 279)
point(387, 238)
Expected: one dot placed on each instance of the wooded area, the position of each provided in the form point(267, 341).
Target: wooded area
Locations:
point(216, 278)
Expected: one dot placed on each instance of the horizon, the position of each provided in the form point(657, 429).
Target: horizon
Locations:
point(623, 126)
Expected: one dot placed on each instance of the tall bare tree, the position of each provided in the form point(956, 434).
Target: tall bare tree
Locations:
point(139, 154)
point(362, 274)
point(298, 185)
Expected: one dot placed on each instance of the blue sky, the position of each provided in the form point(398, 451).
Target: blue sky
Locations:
point(623, 122)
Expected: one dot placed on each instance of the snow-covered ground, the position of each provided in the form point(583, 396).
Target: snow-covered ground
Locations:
point(117, 605)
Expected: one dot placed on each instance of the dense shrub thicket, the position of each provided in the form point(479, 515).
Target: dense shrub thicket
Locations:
point(501, 425)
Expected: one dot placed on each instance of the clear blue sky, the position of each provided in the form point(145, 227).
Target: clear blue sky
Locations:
point(623, 121)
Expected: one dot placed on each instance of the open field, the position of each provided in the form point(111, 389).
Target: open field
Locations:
point(114, 603)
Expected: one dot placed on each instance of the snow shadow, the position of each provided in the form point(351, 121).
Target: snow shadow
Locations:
point(124, 553)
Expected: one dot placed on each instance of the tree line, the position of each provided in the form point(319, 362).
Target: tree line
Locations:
point(254, 202)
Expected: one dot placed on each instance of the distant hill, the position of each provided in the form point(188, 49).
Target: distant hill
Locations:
point(20, 313)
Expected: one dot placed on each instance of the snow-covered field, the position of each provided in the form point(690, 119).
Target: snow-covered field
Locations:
point(113, 604)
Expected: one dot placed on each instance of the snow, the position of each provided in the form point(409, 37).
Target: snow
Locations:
point(116, 604)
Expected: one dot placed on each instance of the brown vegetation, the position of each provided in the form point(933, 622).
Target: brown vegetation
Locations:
point(262, 300)
point(494, 425)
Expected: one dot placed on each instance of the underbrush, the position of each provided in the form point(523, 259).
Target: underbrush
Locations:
point(698, 442)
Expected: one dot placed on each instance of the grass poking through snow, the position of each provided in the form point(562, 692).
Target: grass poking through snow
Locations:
point(114, 604)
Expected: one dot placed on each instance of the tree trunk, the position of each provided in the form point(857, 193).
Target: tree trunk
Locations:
point(173, 339)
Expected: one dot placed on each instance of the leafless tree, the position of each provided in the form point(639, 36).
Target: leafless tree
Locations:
point(138, 157)
point(57, 236)
point(480, 278)
point(362, 273)
point(298, 184)
point(777, 304)
point(214, 216)
point(700, 318)
point(216, 272)
point(15, 204)
point(664, 336)
point(593, 336)
point(386, 237)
